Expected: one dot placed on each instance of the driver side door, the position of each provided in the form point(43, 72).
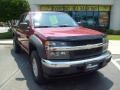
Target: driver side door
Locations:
point(23, 34)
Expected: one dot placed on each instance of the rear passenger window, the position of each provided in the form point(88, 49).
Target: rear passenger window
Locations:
point(24, 18)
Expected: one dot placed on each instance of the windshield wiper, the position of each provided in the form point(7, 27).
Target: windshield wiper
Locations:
point(64, 25)
point(52, 26)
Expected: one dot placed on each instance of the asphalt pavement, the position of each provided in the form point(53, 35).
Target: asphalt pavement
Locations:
point(15, 74)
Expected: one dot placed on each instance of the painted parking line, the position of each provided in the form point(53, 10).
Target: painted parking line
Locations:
point(116, 64)
point(5, 82)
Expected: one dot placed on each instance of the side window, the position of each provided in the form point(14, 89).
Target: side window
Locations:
point(26, 18)
point(22, 18)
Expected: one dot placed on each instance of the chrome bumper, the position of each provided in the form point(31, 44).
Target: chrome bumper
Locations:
point(65, 64)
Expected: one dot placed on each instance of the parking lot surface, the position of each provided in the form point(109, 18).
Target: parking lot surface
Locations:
point(15, 74)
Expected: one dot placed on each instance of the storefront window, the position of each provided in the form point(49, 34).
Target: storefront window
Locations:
point(96, 18)
point(103, 19)
point(80, 16)
point(90, 18)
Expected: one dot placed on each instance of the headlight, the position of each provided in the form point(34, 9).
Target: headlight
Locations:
point(51, 54)
point(105, 42)
point(56, 43)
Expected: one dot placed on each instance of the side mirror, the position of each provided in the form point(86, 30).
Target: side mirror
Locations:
point(24, 25)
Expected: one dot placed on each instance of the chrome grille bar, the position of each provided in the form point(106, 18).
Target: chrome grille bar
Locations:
point(73, 48)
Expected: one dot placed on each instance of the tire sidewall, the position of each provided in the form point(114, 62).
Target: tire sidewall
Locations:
point(40, 78)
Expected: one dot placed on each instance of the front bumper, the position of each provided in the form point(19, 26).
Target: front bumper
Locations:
point(68, 67)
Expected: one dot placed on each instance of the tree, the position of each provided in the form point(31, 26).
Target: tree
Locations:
point(10, 10)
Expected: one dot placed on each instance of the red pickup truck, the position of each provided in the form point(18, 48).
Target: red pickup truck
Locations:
point(58, 46)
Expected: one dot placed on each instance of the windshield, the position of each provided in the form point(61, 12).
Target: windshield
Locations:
point(53, 20)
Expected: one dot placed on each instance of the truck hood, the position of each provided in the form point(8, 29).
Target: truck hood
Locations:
point(65, 32)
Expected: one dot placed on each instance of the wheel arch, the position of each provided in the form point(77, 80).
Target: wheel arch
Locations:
point(36, 44)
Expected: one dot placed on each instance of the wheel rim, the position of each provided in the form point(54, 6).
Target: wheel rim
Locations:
point(35, 68)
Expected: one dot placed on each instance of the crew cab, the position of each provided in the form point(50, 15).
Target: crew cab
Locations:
point(58, 46)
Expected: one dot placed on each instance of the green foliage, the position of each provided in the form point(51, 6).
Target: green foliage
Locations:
point(113, 32)
point(6, 35)
point(113, 37)
point(12, 9)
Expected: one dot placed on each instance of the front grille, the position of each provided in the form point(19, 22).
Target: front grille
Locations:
point(81, 54)
point(85, 42)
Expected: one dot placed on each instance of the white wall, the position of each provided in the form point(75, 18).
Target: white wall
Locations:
point(115, 16)
point(34, 7)
point(104, 2)
point(35, 3)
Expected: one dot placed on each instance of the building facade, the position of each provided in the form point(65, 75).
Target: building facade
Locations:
point(95, 13)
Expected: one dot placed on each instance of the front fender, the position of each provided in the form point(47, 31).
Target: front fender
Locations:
point(35, 42)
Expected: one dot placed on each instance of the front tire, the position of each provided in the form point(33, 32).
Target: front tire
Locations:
point(36, 67)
